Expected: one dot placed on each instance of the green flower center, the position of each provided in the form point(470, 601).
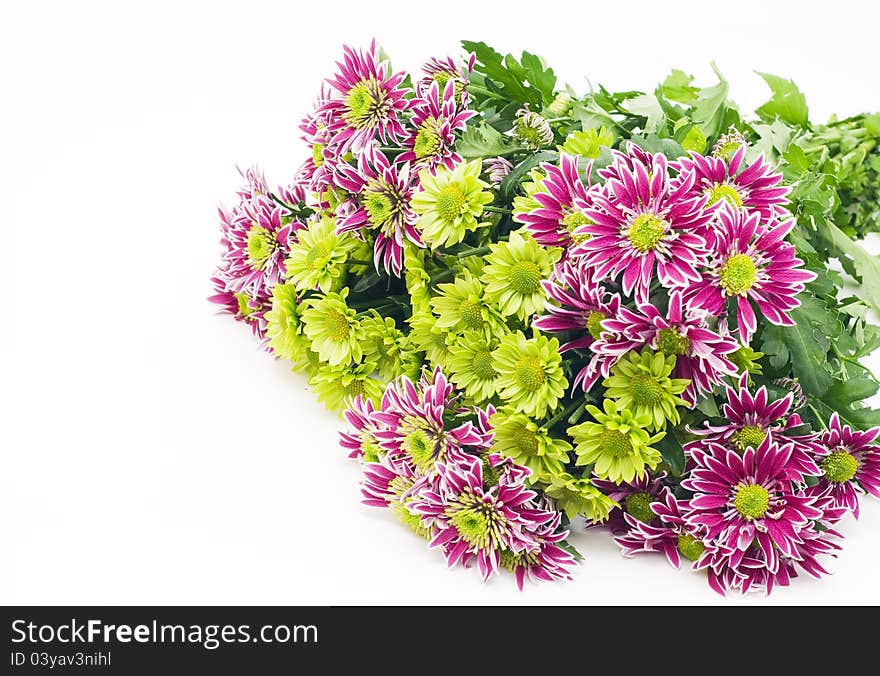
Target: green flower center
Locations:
point(615, 443)
point(530, 134)
point(318, 154)
point(672, 343)
point(471, 313)
point(726, 149)
point(355, 388)
point(645, 389)
point(318, 256)
point(746, 436)
point(363, 104)
point(379, 208)
point(738, 274)
point(529, 373)
point(751, 501)
point(473, 526)
point(428, 140)
point(646, 232)
point(244, 309)
point(594, 323)
point(338, 327)
point(839, 466)
point(525, 278)
point(639, 506)
point(723, 191)
point(407, 518)
point(526, 441)
point(371, 449)
point(575, 219)
point(261, 245)
point(420, 448)
point(490, 474)
point(483, 366)
point(690, 547)
point(450, 202)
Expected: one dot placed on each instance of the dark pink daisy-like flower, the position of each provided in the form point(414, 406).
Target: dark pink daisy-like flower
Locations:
point(634, 499)
point(849, 464)
point(561, 203)
point(360, 439)
point(642, 221)
point(434, 123)
point(317, 170)
point(755, 187)
point(444, 70)
point(682, 331)
point(243, 308)
point(546, 561)
point(752, 418)
point(473, 520)
point(372, 101)
point(749, 499)
point(383, 192)
point(669, 533)
point(750, 263)
point(411, 421)
point(497, 169)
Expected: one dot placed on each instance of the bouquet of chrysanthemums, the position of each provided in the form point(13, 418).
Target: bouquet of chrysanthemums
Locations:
point(539, 310)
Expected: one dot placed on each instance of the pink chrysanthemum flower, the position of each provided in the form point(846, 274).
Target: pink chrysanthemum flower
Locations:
point(432, 138)
point(445, 70)
point(547, 561)
point(243, 308)
point(756, 187)
point(749, 499)
point(634, 498)
point(412, 422)
point(644, 220)
point(750, 263)
point(497, 169)
point(561, 199)
point(473, 520)
point(849, 463)
point(317, 170)
point(383, 193)
point(668, 533)
point(372, 101)
point(752, 418)
point(360, 439)
point(682, 332)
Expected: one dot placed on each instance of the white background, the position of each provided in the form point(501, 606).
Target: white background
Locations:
point(150, 452)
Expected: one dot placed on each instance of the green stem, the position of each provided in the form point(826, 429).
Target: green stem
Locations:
point(475, 251)
point(358, 261)
point(498, 210)
point(567, 411)
point(818, 416)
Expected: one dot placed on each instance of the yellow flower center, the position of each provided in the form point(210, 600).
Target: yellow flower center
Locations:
point(526, 441)
point(723, 191)
point(338, 327)
point(751, 501)
point(471, 314)
point(645, 389)
point(428, 140)
point(672, 343)
point(646, 232)
point(529, 373)
point(379, 208)
point(746, 436)
point(839, 466)
point(738, 275)
point(615, 443)
point(525, 278)
point(451, 200)
point(483, 365)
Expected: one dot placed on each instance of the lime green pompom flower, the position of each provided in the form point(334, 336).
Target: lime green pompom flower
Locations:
point(472, 365)
point(461, 306)
point(429, 338)
point(527, 203)
point(520, 438)
point(333, 328)
point(336, 386)
point(385, 345)
point(617, 444)
point(284, 324)
point(450, 202)
point(317, 259)
point(577, 496)
point(640, 382)
point(514, 272)
point(530, 373)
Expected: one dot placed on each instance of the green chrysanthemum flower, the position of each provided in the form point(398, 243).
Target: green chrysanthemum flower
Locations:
point(417, 279)
point(577, 496)
point(588, 143)
point(317, 259)
point(336, 386)
point(746, 359)
point(640, 382)
point(514, 272)
point(284, 324)
point(617, 443)
point(384, 344)
point(518, 437)
point(530, 376)
point(429, 338)
point(527, 203)
point(472, 365)
point(333, 328)
point(461, 306)
point(450, 202)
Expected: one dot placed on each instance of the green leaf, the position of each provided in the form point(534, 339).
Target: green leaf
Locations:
point(591, 115)
point(867, 266)
point(538, 76)
point(673, 454)
point(654, 144)
point(482, 141)
point(805, 345)
point(709, 108)
point(511, 182)
point(528, 82)
point(787, 102)
point(677, 87)
point(647, 106)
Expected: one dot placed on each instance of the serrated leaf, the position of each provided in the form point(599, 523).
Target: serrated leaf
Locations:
point(482, 141)
point(787, 102)
point(677, 87)
point(709, 108)
point(647, 106)
point(867, 266)
point(514, 178)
